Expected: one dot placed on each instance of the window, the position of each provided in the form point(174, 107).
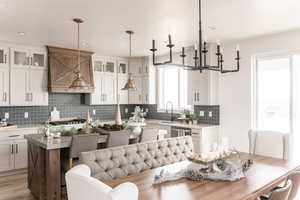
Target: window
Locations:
point(172, 87)
point(277, 96)
point(273, 94)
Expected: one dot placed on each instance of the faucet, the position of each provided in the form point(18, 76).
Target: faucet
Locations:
point(172, 111)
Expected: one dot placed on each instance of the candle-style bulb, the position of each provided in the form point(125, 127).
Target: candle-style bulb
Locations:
point(153, 44)
point(182, 50)
point(237, 47)
point(218, 42)
point(170, 40)
point(196, 46)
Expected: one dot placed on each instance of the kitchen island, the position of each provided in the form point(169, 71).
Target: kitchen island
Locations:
point(46, 156)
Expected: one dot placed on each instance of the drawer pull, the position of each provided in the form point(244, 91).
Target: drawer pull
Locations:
point(12, 136)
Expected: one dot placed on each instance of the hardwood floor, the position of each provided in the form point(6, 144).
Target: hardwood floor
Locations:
point(14, 187)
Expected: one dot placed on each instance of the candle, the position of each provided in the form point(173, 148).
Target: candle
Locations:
point(196, 46)
point(196, 53)
point(153, 44)
point(182, 50)
point(237, 47)
point(218, 42)
point(170, 41)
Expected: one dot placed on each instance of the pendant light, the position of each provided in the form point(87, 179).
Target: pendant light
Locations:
point(130, 85)
point(78, 82)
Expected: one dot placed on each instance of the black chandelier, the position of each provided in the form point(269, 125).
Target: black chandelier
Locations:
point(201, 59)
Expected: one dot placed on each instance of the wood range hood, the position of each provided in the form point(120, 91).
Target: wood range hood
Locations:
point(62, 64)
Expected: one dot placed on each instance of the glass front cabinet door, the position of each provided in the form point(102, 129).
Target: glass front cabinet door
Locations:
point(122, 67)
point(38, 59)
point(3, 57)
point(110, 66)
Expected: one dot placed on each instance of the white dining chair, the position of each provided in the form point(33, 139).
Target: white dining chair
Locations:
point(269, 143)
point(80, 185)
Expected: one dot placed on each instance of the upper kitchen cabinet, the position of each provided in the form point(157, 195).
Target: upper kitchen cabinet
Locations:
point(110, 66)
point(4, 57)
point(122, 94)
point(105, 80)
point(20, 58)
point(144, 75)
point(28, 77)
point(4, 86)
point(139, 66)
point(24, 58)
point(122, 67)
point(4, 76)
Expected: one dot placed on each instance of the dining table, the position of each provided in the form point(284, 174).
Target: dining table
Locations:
point(265, 174)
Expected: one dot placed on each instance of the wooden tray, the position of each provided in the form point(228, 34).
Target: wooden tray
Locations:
point(197, 158)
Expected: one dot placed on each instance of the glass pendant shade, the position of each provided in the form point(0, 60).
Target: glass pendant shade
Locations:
point(130, 85)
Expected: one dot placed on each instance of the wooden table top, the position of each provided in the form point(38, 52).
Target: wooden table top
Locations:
point(263, 175)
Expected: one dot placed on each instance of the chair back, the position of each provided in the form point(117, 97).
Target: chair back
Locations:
point(295, 178)
point(282, 193)
point(83, 143)
point(269, 143)
point(149, 134)
point(80, 185)
point(118, 138)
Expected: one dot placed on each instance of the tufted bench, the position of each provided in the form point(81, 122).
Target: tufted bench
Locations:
point(117, 162)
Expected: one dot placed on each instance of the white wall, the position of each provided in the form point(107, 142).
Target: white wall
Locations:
point(235, 88)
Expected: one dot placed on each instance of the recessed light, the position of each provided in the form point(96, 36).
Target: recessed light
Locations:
point(21, 33)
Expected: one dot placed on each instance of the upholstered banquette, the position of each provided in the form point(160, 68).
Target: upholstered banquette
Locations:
point(112, 163)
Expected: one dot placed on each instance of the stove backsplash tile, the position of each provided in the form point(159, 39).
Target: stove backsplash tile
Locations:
point(71, 105)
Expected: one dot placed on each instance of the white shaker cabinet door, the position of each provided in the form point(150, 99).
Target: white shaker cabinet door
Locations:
point(122, 94)
point(7, 156)
point(109, 89)
point(19, 85)
point(21, 154)
point(4, 86)
point(38, 94)
point(96, 97)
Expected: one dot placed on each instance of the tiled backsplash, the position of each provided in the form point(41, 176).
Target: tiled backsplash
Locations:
point(70, 105)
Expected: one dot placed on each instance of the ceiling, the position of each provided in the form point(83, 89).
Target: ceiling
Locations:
point(50, 22)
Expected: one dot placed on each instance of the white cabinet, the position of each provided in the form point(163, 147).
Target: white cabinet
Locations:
point(105, 90)
point(20, 153)
point(198, 88)
point(109, 89)
point(122, 94)
point(136, 96)
point(122, 65)
point(139, 66)
point(28, 78)
point(4, 76)
point(7, 156)
point(4, 86)
point(13, 155)
point(4, 57)
point(29, 87)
